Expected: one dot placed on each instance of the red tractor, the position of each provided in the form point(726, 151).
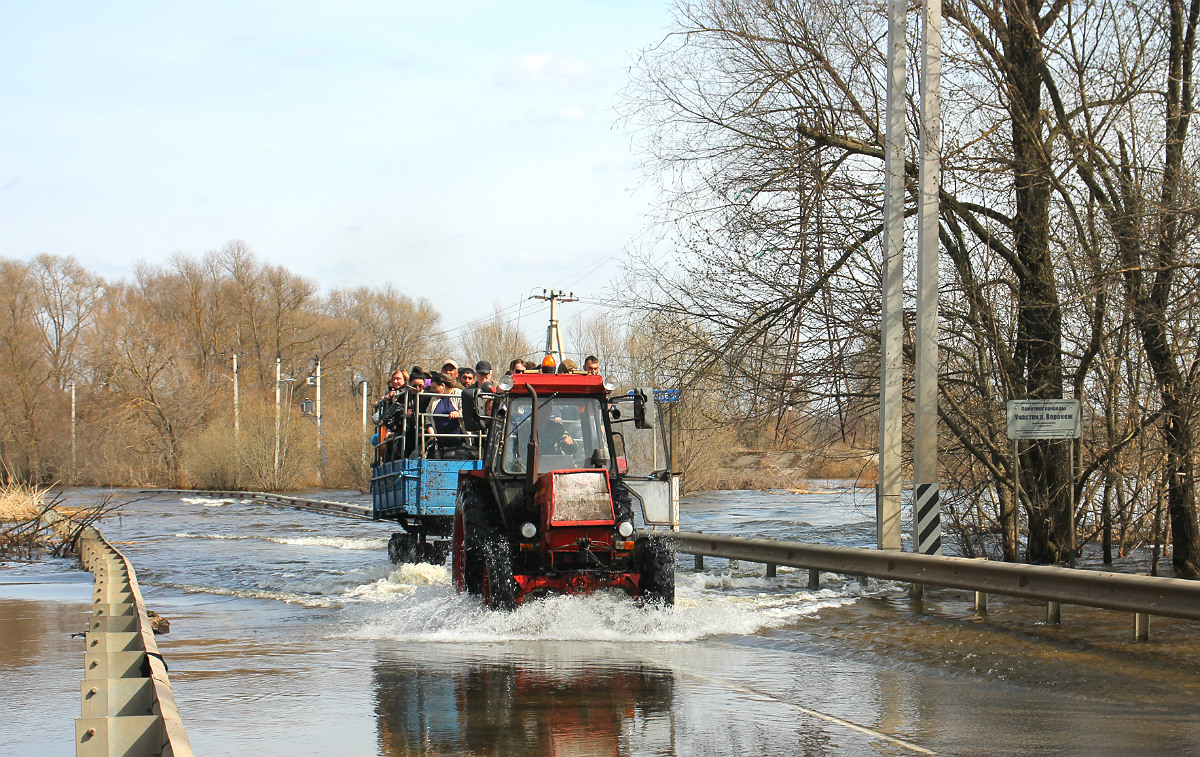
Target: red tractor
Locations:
point(552, 509)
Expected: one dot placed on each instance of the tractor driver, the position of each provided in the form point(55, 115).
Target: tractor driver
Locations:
point(556, 439)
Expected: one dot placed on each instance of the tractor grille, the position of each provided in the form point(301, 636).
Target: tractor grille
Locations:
point(581, 496)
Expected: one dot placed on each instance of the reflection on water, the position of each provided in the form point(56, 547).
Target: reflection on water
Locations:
point(40, 662)
point(536, 707)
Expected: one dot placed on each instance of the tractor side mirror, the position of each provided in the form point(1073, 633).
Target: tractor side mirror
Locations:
point(645, 409)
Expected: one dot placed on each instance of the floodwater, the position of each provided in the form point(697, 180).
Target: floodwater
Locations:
point(292, 634)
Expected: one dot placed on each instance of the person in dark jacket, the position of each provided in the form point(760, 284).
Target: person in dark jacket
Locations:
point(445, 419)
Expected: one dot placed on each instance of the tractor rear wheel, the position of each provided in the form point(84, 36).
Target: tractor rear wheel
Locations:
point(499, 586)
point(656, 564)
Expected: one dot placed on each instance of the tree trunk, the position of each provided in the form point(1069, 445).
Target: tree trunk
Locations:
point(1039, 334)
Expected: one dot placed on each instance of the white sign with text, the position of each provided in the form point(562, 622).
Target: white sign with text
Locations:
point(1043, 419)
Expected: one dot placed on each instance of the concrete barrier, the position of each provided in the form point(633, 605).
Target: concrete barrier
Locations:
point(127, 703)
point(325, 506)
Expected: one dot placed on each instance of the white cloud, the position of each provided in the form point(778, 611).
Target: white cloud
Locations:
point(544, 69)
point(572, 113)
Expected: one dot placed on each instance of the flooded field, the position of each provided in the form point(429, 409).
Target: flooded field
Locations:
point(292, 634)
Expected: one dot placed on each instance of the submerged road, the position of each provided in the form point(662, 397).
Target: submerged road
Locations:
point(292, 634)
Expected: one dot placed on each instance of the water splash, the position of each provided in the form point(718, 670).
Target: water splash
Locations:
point(417, 603)
point(337, 542)
point(214, 501)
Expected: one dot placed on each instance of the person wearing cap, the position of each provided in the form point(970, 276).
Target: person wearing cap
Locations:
point(444, 420)
point(483, 376)
point(568, 366)
point(470, 409)
point(450, 371)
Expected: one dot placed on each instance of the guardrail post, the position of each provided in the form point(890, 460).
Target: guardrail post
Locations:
point(814, 578)
point(699, 563)
point(1054, 613)
point(981, 597)
point(770, 570)
point(1141, 626)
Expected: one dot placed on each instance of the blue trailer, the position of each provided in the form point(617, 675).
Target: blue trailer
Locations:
point(419, 494)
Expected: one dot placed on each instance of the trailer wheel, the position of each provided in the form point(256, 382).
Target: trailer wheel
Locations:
point(656, 564)
point(499, 586)
point(402, 548)
point(435, 552)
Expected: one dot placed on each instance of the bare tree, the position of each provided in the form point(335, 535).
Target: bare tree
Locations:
point(390, 329)
point(761, 122)
point(497, 341)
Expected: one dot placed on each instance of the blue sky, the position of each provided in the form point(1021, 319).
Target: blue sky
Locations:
point(466, 152)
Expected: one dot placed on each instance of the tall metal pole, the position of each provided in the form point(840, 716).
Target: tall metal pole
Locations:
point(927, 511)
point(320, 430)
point(237, 412)
point(552, 331)
point(887, 498)
point(366, 439)
point(74, 459)
point(278, 378)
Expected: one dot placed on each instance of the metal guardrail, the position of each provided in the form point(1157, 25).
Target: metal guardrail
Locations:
point(328, 507)
point(1141, 595)
point(127, 703)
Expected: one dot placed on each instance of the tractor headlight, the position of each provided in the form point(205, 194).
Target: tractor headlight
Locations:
point(625, 529)
point(528, 530)
point(610, 385)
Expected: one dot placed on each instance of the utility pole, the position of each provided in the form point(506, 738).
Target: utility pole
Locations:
point(927, 511)
point(366, 438)
point(237, 414)
point(553, 339)
point(74, 460)
point(320, 429)
point(887, 497)
point(278, 377)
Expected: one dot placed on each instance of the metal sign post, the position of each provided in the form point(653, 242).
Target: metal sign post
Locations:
point(891, 369)
point(927, 510)
point(1045, 419)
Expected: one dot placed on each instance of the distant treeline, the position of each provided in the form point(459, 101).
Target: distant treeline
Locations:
point(151, 362)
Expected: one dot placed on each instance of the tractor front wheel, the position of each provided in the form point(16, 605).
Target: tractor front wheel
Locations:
point(656, 564)
point(499, 586)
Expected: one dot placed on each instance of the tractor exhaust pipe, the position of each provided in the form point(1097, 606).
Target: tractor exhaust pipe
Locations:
point(531, 472)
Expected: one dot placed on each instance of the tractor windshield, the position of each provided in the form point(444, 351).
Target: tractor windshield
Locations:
point(570, 429)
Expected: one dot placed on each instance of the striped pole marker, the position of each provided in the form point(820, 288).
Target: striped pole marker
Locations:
point(928, 520)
